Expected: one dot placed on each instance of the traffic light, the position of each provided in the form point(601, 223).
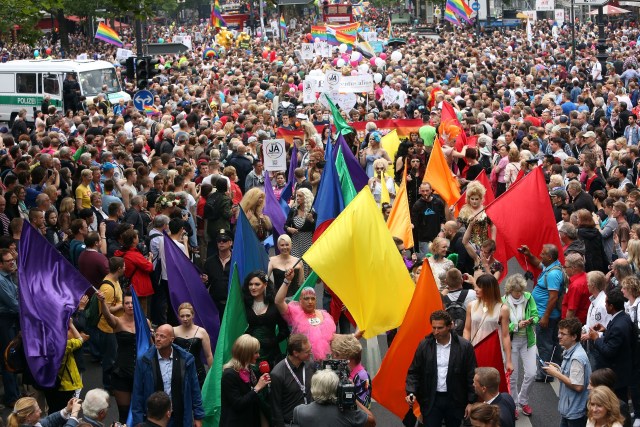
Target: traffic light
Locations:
point(129, 65)
point(153, 69)
point(142, 71)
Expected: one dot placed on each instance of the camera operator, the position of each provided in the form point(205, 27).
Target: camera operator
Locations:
point(324, 411)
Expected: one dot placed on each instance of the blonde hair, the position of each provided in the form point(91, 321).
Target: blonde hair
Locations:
point(633, 249)
point(308, 200)
point(251, 201)
point(436, 242)
point(242, 352)
point(515, 283)
point(475, 188)
point(603, 396)
point(284, 237)
point(632, 284)
point(67, 205)
point(381, 162)
point(22, 410)
point(346, 347)
point(186, 306)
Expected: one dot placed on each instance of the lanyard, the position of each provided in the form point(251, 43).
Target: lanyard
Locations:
point(300, 384)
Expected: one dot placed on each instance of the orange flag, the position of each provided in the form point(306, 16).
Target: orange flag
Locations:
point(389, 384)
point(439, 175)
point(399, 222)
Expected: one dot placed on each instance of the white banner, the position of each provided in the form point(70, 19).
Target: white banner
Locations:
point(306, 51)
point(185, 40)
point(545, 5)
point(558, 16)
point(323, 49)
point(274, 155)
point(533, 16)
point(309, 91)
point(356, 84)
point(123, 54)
point(332, 80)
point(369, 36)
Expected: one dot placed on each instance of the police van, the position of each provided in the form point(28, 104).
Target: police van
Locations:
point(25, 83)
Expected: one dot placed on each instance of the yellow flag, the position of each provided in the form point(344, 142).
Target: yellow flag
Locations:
point(399, 222)
point(439, 175)
point(390, 142)
point(357, 258)
point(385, 197)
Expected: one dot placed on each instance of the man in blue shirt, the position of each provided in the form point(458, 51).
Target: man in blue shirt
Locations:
point(545, 294)
point(9, 310)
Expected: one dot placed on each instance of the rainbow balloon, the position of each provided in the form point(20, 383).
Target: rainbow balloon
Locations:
point(209, 53)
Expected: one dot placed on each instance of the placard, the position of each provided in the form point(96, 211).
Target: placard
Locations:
point(545, 5)
point(558, 16)
point(369, 36)
point(307, 51)
point(274, 155)
point(332, 80)
point(356, 84)
point(123, 54)
point(308, 91)
point(531, 15)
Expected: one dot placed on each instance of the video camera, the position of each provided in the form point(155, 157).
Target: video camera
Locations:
point(346, 393)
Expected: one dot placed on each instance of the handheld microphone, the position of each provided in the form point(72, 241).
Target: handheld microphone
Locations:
point(265, 369)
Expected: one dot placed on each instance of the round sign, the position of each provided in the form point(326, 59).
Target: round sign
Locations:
point(475, 6)
point(142, 98)
point(274, 148)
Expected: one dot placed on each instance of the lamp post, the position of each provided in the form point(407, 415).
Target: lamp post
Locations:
point(573, 33)
point(602, 47)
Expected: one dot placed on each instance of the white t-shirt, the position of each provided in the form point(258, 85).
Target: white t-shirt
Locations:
point(471, 296)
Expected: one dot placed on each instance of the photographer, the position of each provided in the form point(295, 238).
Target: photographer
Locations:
point(324, 411)
point(348, 347)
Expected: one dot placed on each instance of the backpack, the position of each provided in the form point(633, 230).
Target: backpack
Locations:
point(563, 287)
point(457, 310)
point(14, 358)
point(92, 312)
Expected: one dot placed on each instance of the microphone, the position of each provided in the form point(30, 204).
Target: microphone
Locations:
point(265, 369)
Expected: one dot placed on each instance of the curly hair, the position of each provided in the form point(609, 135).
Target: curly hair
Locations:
point(308, 200)
point(251, 201)
point(475, 188)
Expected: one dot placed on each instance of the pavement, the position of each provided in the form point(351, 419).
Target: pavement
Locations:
point(543, 397)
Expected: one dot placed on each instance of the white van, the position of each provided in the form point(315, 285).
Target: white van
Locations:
point(24, 83)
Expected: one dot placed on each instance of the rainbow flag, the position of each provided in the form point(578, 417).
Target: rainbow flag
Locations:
point(216, 16)
point(389, 31)
point(319, 32)
point(151, 110)
point(283, 26)
point(358, 9)
point(108, 35)
point(338, 34)
point(450, 16)
point(459, 8)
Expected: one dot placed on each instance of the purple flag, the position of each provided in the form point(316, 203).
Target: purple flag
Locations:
point(293, 163)
point(50, 290)
point(358, 176)
point(272, 208)
point(185, 285)
point(287, 192)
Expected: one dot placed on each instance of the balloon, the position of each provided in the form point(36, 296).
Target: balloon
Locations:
point(354, 73)
point(383, 55)
point(353, 63)
point(161, 59)
point(300, 86)
point(335, 62)
point(380, 62)
point(372, 61)
point(377, 77)
point(265, 38)
point(363, 68)
point(48, 51)
point(396, 56)
point(160, 40)
point(343, 48)
point(309, 37)
point(259, 33)
point(317, 40)
point(341, 63)
point(356, 56)
point(265, 53)
point(36, 53)
point(345, 57)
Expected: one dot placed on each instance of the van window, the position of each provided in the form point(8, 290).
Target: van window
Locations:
point(51, 84)
point(7, 82)
point(26, 83)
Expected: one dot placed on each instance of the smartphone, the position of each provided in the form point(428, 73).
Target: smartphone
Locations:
point(542, 362)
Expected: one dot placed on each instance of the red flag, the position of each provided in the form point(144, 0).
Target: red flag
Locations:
point(488, 197)
point(389, 383)
point(527, 201)
point(489, 354)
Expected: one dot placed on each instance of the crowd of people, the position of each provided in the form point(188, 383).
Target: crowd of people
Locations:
point(104, 182)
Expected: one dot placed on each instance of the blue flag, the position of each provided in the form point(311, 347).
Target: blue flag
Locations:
point(248, 252)
point(328, 202)
point(50, 291)
point(143, 336)
point(185, 285)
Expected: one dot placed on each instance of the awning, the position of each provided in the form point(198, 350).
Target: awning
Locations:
point(292, 2)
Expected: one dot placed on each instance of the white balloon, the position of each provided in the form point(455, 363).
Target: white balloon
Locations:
point(396, 56)
point(343, 48)
point(377, 77)
point(317, 39)
point(379, 62)
point(341, 63)
point(363, 68)
point(356, 56)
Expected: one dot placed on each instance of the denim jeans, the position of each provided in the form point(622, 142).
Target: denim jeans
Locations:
point(548, 347)
point(579, 422)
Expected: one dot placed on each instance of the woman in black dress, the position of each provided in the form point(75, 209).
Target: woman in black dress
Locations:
point(194, 339)
point(241, 389)
point(122, 377)
point(263, 316)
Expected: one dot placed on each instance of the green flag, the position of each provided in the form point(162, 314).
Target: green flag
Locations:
point(78, 153)
point(342, 127)
point(346, 185)
point(234, 324)
point(310, 282)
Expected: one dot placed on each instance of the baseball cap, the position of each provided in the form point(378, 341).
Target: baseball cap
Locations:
point(559, 192)
point(108, 166)
point(590, 134)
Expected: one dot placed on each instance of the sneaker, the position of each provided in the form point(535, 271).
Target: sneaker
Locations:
point(636, 423)
point(517, 414)
point(526, 410)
